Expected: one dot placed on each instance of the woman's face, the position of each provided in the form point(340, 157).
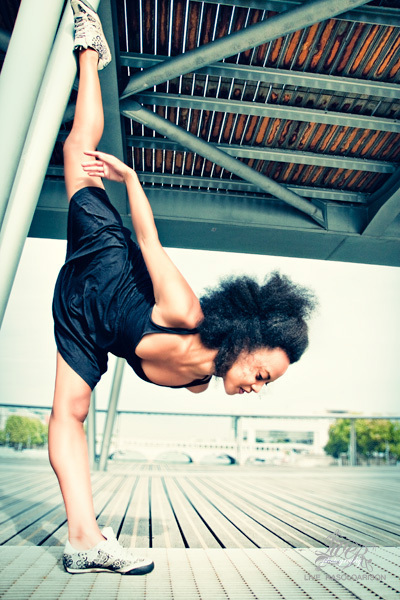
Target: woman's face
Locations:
point(252, 370)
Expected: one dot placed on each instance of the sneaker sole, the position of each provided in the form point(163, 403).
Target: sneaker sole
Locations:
point(135, 571)
point(86, 4)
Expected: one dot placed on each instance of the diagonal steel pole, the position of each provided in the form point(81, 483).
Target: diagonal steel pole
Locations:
point(384, 207)
point(45, 124)
point(28, 51)
point(260, 33)
point(135, 111)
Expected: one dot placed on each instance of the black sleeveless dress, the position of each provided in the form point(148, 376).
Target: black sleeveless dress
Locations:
point(103, 298)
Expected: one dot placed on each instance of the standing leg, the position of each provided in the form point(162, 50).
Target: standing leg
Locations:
point(69, 455)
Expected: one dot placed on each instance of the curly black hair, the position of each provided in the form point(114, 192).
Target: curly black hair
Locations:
point(242, 315)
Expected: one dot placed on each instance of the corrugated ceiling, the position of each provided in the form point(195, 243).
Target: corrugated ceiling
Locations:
point(316, 110)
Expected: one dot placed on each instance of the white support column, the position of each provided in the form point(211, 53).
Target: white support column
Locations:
point(112, 409)
point(238, 424)
point(91, 431)
point(50, 108)
point(353, 444)
point(21, 76)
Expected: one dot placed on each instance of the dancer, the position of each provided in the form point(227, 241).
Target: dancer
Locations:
point(113, 295)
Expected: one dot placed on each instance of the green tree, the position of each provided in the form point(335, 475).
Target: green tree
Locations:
point(339, 437)
point(394, 444)
point(373, 435)
point(25, 431)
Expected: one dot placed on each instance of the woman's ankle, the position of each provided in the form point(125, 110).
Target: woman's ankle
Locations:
point(88, 55)
point(85, 541)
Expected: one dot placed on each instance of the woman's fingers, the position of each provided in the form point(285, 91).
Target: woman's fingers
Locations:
point(92, 153)
point(94, 169)
point(95, 163)
point(104, 165)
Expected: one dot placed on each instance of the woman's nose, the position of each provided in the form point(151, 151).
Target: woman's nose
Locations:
point(256, 387)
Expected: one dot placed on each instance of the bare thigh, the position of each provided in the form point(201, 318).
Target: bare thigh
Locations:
point(75, 177)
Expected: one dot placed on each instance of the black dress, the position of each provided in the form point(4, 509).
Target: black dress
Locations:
point(103, 298)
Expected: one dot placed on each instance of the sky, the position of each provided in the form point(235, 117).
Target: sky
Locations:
point(352, 363)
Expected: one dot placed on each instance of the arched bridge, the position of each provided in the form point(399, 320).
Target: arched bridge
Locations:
point(199, 450)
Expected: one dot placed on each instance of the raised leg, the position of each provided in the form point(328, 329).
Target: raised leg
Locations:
point(88, 125)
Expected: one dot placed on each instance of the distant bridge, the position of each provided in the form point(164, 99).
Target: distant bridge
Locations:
point(198, 450)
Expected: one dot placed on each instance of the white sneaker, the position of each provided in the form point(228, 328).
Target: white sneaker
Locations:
point(108, 556)
point(89, 32)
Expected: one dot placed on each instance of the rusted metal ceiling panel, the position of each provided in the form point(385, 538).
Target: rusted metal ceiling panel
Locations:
point(382, 12)
point(364, 50)
point(368, 52)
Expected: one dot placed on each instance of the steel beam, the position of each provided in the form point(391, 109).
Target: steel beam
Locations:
point(273, 111)
point(384, 207)
point(45, 124)
point(375, 15)
point(20, 81)
point(236, 185)
point(241, 186)
point(250, 37)
point(260, 153)
point(111, 412)
point(275, 155)
point(316, 81)
point(136, 112)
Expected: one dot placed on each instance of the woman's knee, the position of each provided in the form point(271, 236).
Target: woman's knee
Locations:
point(73, 147)
point(73, 408)
point(76, 413)
point(71, 395)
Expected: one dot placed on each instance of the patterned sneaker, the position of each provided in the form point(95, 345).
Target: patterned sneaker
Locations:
point(108, 556)
point(89, 32)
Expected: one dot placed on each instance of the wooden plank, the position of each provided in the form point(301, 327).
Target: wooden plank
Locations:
point(299, 513)
point(165, 530)
point(264, 531)
point(195, 532)
point(225, 531)
point(135, 530)
point(208, 507)
point(34, 525)
point(369, 529)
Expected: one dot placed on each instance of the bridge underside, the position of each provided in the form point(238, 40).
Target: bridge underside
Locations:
point(259, 127)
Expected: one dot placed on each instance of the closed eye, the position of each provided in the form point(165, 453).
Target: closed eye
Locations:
point(261, 378)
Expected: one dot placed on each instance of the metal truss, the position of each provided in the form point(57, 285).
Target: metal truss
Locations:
point(318, 81)
point(378, 15)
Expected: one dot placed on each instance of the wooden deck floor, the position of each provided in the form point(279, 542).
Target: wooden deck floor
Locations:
point(173, 506)
point(217, 533)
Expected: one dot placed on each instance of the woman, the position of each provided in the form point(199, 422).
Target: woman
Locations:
point(113, 295)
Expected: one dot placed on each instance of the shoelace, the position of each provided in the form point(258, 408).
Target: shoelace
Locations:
point(81, 21)
point(80, 25)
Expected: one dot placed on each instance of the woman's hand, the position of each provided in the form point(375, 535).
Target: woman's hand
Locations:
point(106, 166)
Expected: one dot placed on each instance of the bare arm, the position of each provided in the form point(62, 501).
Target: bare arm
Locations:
point(176, 303)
